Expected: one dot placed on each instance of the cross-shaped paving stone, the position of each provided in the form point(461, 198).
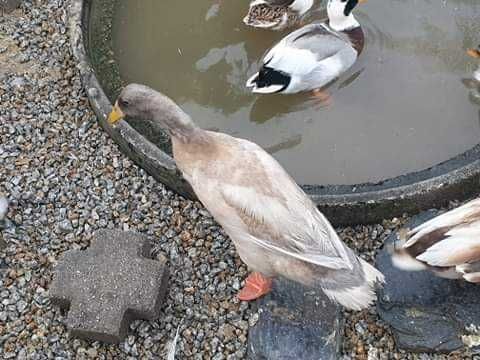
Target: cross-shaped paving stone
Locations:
point(109, 285)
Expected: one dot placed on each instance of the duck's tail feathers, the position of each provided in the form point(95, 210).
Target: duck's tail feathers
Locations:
point(252, 83)
point(401, 258)
point(362, 296)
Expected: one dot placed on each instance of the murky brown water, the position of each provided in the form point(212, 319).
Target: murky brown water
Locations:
point(403, 107)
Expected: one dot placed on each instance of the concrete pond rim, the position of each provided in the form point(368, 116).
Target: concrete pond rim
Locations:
point(455, 179)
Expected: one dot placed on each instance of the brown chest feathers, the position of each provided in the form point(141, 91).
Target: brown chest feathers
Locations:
point(357, 38)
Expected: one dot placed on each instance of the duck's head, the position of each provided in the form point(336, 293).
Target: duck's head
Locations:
point(340, 15)
point(141, 102)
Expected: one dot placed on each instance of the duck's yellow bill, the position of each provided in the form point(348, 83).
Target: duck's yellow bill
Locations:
point(115, 115)
point(474, 53)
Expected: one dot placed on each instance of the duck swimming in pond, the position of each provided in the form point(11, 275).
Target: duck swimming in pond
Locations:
point(276, 228)
point(313, 56)
point(448, 245)
point(276, 14)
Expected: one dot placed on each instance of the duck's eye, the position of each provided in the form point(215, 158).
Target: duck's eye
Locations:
point(123, 103)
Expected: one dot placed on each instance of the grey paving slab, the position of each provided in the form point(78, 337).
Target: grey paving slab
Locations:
point(109, 285)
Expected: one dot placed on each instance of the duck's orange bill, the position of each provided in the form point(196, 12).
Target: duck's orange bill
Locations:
point(362, 1)
point(115, 115)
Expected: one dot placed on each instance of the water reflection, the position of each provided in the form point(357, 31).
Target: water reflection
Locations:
point(287, 144)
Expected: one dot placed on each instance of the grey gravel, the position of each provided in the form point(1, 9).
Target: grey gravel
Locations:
point(65, 179)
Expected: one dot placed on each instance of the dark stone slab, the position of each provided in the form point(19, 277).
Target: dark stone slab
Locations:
point(109, 285)
point(9, 5)
point(295, 323)
point(426, 313)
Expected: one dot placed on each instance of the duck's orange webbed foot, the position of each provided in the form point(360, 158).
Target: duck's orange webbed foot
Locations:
point(323, 97)
point(256, 286)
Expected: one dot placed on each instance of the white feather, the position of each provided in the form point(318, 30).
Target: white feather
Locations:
point(301, 6)
point(443, 253)
point(268, 89)
point(173, 345)
point(406, 262)
point(476, 74)
point(448, 219)
point(258, 2)
point(472, 277)
point(362, 296)
point(3, 207)
point(251, 81)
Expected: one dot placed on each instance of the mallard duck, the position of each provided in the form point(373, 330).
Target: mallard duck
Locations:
point(312, 56)
point(276, 14)
point(276, 228)
point(475, 53)
point(448, 245)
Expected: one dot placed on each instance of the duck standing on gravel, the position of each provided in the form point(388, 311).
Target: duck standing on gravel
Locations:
point(448, 245)
point(276, 14)
point(313, 56)
point(276, 228)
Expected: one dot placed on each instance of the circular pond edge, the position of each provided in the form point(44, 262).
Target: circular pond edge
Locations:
point(457, 178)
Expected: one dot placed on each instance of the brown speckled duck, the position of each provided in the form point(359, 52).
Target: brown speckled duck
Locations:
point(276, 14)
point(448, 245)
point(276, 228)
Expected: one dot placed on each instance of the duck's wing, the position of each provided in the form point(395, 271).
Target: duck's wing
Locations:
point(304, 49)
point(277, 215)
point(451, 240)
point(461, 216)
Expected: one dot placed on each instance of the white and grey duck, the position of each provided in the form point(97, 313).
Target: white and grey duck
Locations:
point(276, 228)
point(448, 245)
point(276, 14)
point(314, 55)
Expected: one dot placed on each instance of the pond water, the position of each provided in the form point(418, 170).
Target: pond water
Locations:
point(403, 107)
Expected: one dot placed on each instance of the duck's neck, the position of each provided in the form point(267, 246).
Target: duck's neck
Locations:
point(185, 134)
point(176, 123)
point(340, 22)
